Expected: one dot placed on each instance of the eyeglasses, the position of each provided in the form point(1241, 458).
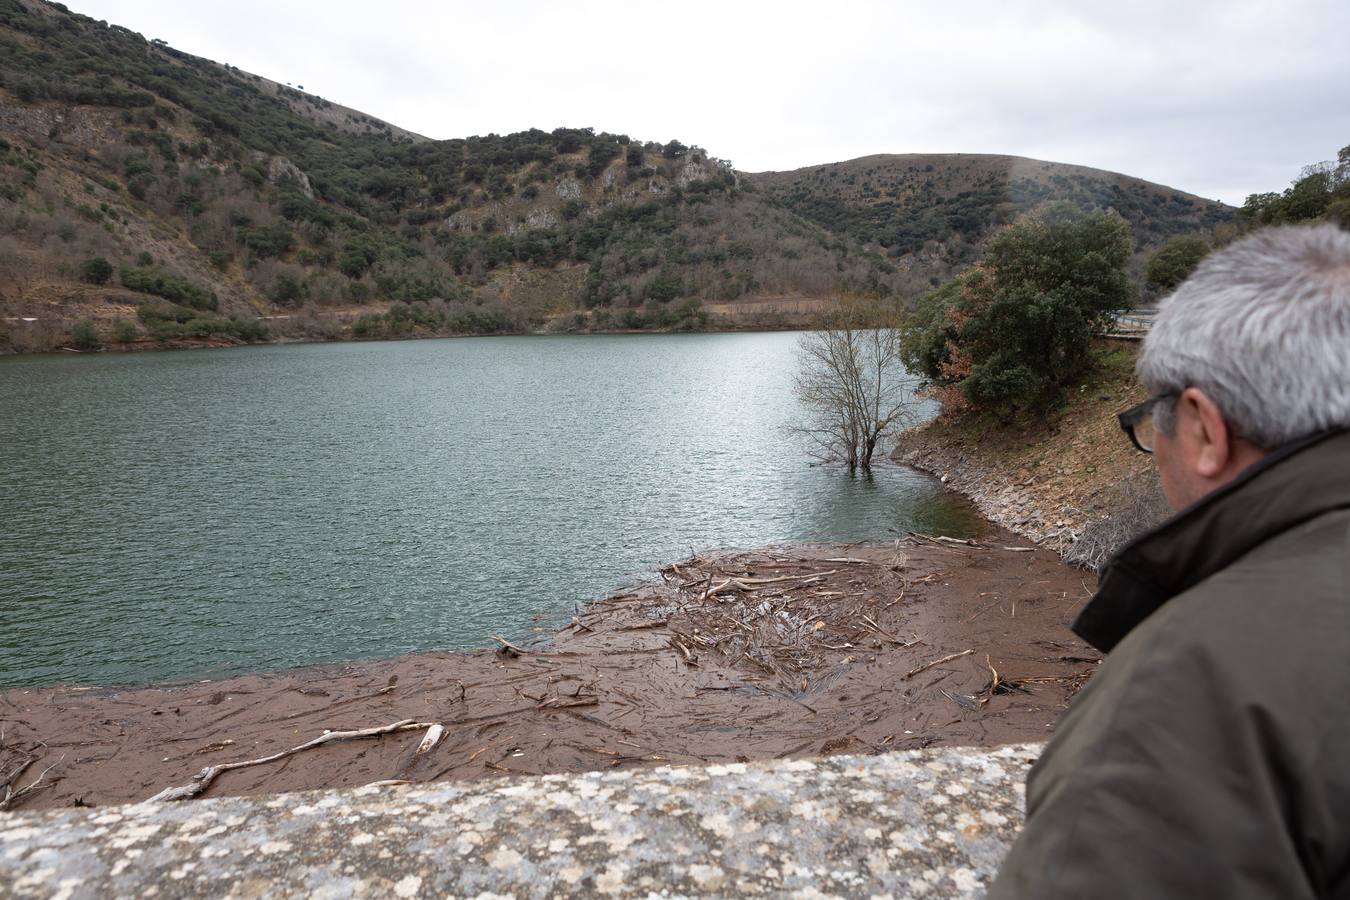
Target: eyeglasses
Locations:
point(1137, 422)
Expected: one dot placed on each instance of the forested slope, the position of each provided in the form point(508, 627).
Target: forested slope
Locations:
point(930, 214)
point(148, 196)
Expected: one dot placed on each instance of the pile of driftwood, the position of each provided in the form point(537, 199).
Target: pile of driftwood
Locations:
point(788, 616)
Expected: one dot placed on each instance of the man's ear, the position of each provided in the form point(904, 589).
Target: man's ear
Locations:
point(1206, 433)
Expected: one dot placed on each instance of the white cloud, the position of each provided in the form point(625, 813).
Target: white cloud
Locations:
point(1217, 98)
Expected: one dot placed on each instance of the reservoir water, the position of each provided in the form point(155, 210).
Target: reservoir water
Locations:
point(174, 515)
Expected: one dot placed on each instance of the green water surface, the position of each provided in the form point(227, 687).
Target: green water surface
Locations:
point(172, 515)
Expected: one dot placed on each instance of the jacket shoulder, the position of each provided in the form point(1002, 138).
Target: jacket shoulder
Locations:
point(1214, 732)
point(1269, 634)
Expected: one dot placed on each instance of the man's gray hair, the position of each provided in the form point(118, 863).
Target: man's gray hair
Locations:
point(1263, 328)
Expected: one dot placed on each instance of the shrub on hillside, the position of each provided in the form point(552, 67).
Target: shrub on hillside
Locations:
point(268, 241)
point(1011, 332)
point(1173, 263)
point(96, 270)
point(124, 330)
point(170, 287)
point(169, 321)
point(286, 289)
point(436, 317)
point(83, 336)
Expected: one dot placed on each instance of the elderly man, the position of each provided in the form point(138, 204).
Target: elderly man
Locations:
point(1210, 754)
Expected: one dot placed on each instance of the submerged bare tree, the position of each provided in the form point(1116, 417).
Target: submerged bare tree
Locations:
point(853, 384)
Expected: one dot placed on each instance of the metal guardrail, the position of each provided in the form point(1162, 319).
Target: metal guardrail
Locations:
point(1132, 325)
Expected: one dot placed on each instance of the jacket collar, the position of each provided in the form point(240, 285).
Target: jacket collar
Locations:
point(1293, 484)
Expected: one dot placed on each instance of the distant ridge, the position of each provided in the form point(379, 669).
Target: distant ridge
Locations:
point(935, 209)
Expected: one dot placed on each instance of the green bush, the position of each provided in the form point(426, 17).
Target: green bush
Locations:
point(169, 321)
point(1011, 332)
point(1173, 263)
point(667, 285)
point(1321, 191)
point(124, 330)
point(96, 270)
point(83, 335)
point(368, 325)
point(269, 240)
point(358, 256)
point(168, 286)
point(287, 290)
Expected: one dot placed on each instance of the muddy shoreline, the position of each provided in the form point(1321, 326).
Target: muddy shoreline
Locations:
point(770, 653)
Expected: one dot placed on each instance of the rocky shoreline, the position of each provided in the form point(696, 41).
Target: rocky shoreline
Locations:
point(1014, 505)
point(1050, 481)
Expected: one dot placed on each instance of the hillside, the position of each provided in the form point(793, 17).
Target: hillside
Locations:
point(150, 197)
point(930, 213)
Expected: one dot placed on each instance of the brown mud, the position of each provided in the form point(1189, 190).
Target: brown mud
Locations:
point(772, 653)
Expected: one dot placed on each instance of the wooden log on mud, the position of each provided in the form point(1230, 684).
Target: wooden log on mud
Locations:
point(507, 646)
point(937, 662)
point(202, 780)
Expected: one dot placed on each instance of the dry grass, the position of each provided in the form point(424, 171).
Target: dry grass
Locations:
point(1133, 507)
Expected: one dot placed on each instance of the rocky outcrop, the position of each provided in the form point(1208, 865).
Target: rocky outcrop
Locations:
point(280, 168)
point(569, 189)
point(691, 171)
point(541, 218)
point(82, 126)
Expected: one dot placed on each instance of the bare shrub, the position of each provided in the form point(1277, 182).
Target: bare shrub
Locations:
point(327, 288)
point(852, 384)
point(1134, 506)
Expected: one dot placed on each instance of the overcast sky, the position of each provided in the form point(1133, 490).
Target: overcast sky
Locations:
point(1217, 98)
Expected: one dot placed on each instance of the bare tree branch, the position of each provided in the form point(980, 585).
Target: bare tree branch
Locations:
point(853, 385)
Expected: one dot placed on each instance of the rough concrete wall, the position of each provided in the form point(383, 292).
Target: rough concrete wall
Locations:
point(921, 823)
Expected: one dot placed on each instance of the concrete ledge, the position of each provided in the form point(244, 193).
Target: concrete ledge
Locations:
point(919, 823)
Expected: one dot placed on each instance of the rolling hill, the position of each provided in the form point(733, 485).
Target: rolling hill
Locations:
point(150, 197)
point(931, 213)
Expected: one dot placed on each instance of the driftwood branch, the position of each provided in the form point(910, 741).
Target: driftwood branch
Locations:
point(937, 662)
point(12, 795)
point(202, 780)
point(507, 645)
point(746, 583)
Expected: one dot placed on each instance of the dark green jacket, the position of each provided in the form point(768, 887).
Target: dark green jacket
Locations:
point(1210, 754)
